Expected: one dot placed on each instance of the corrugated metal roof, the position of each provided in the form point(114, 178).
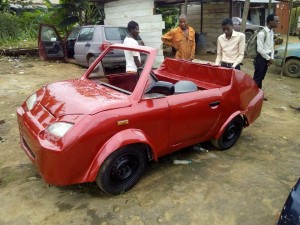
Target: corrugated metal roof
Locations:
point(258, 1)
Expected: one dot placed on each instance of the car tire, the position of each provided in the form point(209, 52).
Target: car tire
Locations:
point(91, 60)
point(122, 169)
point(230, 135)
point(248, 34)
point(292, 68)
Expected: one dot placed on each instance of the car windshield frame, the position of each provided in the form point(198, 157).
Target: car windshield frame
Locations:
point(143, 75)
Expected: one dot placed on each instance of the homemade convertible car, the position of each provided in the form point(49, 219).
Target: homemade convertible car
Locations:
point(106, 125)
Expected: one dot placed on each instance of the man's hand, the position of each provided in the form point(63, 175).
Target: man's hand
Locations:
point(270, 62)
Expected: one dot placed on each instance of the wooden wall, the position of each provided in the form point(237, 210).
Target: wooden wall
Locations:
point(193, 16)
point(213, 14)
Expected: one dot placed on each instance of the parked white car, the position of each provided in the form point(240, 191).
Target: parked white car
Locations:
point(84, 44)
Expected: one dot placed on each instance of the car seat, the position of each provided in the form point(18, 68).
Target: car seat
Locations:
point(185, 86)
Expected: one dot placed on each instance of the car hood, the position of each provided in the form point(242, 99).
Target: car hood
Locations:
point(292, 46)
point(81, 97)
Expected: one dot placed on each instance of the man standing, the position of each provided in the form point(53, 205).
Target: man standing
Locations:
point(230, 47)
point(133, 59)
point(265, 49)
point(182, 39)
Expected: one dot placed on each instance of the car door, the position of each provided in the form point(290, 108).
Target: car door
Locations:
point(71, 40)
point(193, 115)
point(83, 44)
point(50, 44)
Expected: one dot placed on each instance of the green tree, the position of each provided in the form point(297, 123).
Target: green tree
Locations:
point(71, 12)
point(170, 16)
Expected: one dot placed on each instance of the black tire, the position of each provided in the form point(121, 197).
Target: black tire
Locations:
point(230, 135)
point(292, 68)
point(91, 60)
point(248, 34)
point(122, 169)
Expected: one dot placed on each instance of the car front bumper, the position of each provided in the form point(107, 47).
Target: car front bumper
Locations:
point(53, 160)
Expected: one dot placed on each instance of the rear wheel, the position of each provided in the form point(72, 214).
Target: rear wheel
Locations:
point(292, 68)
point(91, 60)
point(230, 135)
point(248, 34)
point(122, 169)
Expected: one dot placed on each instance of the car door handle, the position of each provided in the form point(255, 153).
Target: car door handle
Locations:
point(87, 45)
point(214, 104)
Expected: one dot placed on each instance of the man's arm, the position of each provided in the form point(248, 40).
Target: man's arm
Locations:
point(137, 61)
point(261, 36)
point(192, 56)
point(219, 52)
point(241, 50)
point(167, 38)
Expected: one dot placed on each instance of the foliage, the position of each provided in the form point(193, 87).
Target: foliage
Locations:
point(20, 28)
point(4, 5)
point(72, 12)
point(170, 16)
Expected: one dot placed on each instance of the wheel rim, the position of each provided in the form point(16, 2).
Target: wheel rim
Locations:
point(124, 169)
point(293, 69)
point(230, 133)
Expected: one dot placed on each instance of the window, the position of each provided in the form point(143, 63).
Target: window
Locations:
point(86, 34)
point(115, 33)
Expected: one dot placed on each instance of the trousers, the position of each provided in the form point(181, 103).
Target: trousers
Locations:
point(229, 65)
point(260, 70)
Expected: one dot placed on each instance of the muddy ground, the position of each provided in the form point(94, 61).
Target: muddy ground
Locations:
point(246, 185)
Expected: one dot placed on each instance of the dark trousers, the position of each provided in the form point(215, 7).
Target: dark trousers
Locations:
point(261, 67)
point(229, 65)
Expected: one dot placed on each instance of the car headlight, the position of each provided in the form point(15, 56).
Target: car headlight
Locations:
point(59, 128)
point(30, 102)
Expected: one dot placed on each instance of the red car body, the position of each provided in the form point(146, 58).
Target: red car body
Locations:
point(105, 118)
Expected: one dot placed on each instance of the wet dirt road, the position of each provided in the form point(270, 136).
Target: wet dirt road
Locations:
point(246, 185)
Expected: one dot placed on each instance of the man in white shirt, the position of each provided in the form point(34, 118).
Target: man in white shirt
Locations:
point(265, 48)
point(230, 47)
point(133, 59)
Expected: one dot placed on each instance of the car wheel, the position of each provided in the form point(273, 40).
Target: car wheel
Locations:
point(121, 170)
point(91, 60)
point(248, 34)
point(292, 68)
point(230, 135)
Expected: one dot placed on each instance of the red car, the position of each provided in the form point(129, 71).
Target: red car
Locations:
point(106, 125)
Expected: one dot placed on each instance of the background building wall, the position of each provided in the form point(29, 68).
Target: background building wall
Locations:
point(142, 11)
point(213, 14)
